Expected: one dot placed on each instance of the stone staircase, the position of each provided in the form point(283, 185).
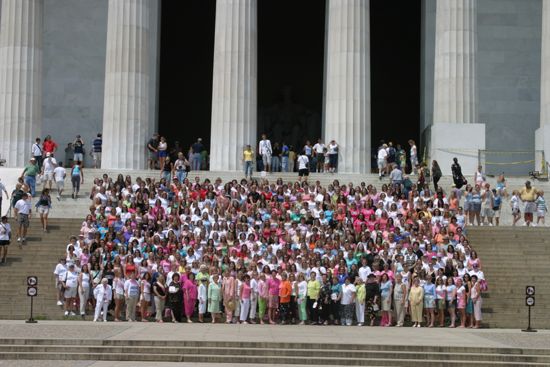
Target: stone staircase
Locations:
point(257, 353)
point(38, 257)
point(512, 258)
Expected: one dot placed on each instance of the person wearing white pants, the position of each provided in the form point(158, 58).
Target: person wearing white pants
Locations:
point(245, 292)
point(399, 299)
point(253, 296)
point(361, 295)
point(103, 294)
point(84, 289)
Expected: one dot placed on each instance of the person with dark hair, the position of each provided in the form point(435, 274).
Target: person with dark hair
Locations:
point(5, 238)
point(77, 178)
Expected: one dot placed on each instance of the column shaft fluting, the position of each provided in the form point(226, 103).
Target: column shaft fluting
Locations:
point(455, 94)
point(347, 116)
point(545, 67)
point(20, 78)
point(234, 99)
point(126, 125)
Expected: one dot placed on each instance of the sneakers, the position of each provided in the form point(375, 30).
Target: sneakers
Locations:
point(59, 303)
point(58, 198)
point(66, 313)
point(18, 239)
point(73, 314)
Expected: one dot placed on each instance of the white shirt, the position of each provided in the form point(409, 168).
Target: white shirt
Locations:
point(364, 272)
point(303, 162)
point(265, 147)
point(5, 231)
point(382, 154)
point(59, 174)
point(347, 293)
point(49, 164)
point(23, 206)
point(60, 271)
point(71, 279)
point(36, 150)
point(319, 148)
point(332, 148)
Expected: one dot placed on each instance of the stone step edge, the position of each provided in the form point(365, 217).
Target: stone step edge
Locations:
point(263, 345)
point(262, 351)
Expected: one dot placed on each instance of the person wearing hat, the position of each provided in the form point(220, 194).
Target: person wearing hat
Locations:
point(70, 283)
point(103, 294)
point(29, 174)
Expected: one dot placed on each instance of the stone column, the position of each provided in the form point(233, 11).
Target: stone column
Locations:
point(347, 83)
point(456, 129)
point(234, 99)
point(542, 135)
point(126, 123)
point(20, 79)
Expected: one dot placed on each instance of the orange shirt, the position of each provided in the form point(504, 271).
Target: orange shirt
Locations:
point(285, 289)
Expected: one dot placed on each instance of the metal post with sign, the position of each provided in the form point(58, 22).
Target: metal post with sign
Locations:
point(529, 302)
point(32, 291)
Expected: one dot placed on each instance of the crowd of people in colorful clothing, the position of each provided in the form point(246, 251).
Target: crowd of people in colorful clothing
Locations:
point(254, 251)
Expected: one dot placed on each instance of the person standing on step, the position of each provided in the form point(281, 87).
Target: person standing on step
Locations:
point(528, 195)
point(59, 175)
point(22, 211)
point(70, 283)
point(78, 147)
point(48, 166)
point(77, 178)
point(37, 153)
point(43, 206)
point(59, 272)
point(103, 294)
point(84, 282)
point(303, 167)
point(248, 161)
point(131, 293)
point(265, 150)
point(96, 150)
point(152, 147)
point(5, 238)
point(196, 160)
point(29, 175)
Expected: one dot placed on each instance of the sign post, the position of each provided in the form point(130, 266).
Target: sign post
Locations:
point(32, 291)
point(529, 302)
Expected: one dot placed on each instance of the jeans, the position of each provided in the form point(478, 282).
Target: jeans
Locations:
point(248, 165)
point(196, 161)
point(284, 163)
point(30, 181)
point(275, 164)
point(181, 175)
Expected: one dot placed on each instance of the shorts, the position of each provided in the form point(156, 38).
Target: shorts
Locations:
point(145, 297)
point(266, 159)
point(4, 242)
point(303, 172)
point(23, 219)
point(496, 213)
point(119, 296)
point(96, 156)
point(488, 212)
point(467, 206)
point(541, 213)
point(441, 304)
point(70, 292)
point(163, 153)
point(48, 176)
point(153, 155)
point(333, 159)
point(475, 207)
point(530, 207)
point(516, 211)
point(43, 209)
point(273, 301)
point(429, 301)
point(381, 163)
point(59, 285)
point(60, 184)
point(78, 157)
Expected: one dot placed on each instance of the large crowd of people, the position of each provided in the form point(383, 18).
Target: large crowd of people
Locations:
point(254, 251)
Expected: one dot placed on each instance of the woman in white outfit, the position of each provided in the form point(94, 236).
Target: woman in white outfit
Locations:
point(103, 294)
point(84, 288)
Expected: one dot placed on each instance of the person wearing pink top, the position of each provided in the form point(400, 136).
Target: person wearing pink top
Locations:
point(190, 294)
point(229, 291)
point(263, 293)
point(245, 299)
point(273, 285)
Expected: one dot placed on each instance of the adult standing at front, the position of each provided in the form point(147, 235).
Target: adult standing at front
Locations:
point(528, 195)
point(436, 173)
point(70, 283)
point(37, 153)
point(3, 189)
point(180, 167)
point(190, 295)
point(248, 161)
point(77, 178)
point(333, 148)
point(22, 213)
point(265, 150)
point(273, 285)
point(152, 147)
point(103, 294)
point(382, 158)
point(131, 293)
point(162, 152)
point(196, 161)
point(96, 150)
point(5, 238)
point(414, 156)
point(416, 299)
point(318, 151)
point(78, 147)
point(476, 299)
point(303, 166)
point(84, 282)
point(29, 175)
point(159, 293)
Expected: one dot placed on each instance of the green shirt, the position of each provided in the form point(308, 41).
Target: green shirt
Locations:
point(313, 288)
point(361, 293)
point(31, 170)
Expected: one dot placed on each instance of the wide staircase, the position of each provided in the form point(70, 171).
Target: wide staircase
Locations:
point(272, 353)
point(513, 258)
point(38, 257)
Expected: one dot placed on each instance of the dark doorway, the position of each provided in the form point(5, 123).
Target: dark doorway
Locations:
point(291, 37)
point(395, 72)
point(186, 61)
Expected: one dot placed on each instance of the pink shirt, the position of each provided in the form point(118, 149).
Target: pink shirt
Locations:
point(273, 286)
point(245, 291)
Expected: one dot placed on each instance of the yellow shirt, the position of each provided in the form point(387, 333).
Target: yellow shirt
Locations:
point(313, 288)
point(248, 155)
point(527, 195)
